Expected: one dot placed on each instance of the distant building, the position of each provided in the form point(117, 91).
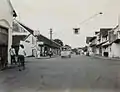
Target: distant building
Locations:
point(92, 45)
point(45, 45)
point(103, 39)
point(89, 50)
point(99, 43)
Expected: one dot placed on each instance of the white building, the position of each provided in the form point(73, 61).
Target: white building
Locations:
point(103, 41)
point(24, 35)
point(6, 19)
point(115, 42)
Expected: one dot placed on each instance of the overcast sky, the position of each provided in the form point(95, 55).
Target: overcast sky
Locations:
point(64, 15)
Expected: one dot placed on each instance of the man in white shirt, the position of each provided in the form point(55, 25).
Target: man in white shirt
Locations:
point(12, 54)
point(21, 57)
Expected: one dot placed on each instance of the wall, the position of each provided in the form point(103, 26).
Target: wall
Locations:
point(6, 19)
point(115, 50)
point(30, 45)
point(97, 51)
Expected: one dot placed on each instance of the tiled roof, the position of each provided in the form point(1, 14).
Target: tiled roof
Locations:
point(27, 28)
point(47, 41)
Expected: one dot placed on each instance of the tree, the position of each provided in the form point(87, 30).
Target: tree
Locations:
point(59, 41)
point(68, 46)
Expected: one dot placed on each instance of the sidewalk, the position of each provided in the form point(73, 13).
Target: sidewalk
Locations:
point(106, 58)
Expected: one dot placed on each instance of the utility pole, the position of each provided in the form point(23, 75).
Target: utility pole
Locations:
point(51, 33)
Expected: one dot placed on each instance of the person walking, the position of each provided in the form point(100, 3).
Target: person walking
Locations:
point(21, 57)
point(12, 54)
point(50, 53)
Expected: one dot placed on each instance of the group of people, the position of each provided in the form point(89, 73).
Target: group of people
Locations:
point(19, 57)
point(46, 53)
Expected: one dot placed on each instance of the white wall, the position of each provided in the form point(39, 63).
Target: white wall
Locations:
point(97, 51)
point(29, 46)
point(115, 50)
point(6, 19)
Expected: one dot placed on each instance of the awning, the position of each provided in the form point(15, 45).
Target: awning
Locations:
point(101, 43)
point(92, 45)
point(106, 44)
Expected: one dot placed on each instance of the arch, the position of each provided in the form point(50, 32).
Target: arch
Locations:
point(6, 22)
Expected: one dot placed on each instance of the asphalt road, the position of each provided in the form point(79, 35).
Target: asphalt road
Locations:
point(78, 74)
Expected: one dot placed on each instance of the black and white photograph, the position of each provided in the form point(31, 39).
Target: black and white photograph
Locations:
point(59, 45)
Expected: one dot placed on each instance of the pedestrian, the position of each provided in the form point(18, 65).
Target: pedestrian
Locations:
point(50, 53)
point(21, 57)
point(12, 54)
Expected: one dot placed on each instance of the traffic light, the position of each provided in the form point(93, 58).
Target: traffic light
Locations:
point(76, 30)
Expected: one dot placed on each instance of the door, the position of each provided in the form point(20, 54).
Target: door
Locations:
point(3, 44)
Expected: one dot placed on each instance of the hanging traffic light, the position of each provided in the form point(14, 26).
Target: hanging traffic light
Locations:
point(76, 30)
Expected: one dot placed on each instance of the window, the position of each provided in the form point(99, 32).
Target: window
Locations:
point(110, 49)
point(3, 31)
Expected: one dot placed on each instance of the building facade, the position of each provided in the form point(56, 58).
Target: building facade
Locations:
point(44, 45)
point(114, 37)
point(7, 13)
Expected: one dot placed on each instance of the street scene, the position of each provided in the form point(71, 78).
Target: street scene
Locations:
point(59, 46)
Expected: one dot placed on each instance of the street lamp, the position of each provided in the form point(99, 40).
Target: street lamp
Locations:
point(95, 15)
point(76, 30)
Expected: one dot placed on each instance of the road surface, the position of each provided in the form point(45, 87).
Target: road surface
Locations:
point(78, 74)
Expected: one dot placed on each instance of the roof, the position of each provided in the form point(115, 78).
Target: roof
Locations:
point(101, 43)
point(96, 32)
point(92, 45)
point(116, 27)
point(106, 44)
point(94, 37)
point(88, 39)
point(48, 41)
point(26, 27)
point(104, 31)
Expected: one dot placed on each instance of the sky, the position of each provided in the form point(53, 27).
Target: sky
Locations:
point(64, 15)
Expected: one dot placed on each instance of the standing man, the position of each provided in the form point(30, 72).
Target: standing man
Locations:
point(21, 57)
point(12, 54)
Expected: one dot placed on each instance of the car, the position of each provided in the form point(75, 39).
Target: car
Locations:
point(66, 53)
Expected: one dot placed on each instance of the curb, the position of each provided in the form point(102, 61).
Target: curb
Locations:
point(106, 58)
